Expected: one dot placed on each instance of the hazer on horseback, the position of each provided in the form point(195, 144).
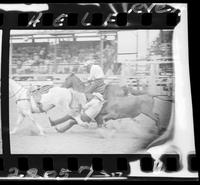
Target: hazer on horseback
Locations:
point(115, 105)
point(97, 93)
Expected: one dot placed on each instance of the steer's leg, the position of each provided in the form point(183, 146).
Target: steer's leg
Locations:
point(19, 121)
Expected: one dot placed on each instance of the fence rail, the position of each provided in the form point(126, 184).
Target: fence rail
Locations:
point(163, 84)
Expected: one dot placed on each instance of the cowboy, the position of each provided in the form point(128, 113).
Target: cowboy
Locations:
point(95, 79)
point(94, 93)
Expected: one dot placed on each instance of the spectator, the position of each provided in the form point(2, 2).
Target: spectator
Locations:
point(109, 54)
point(43, 68)
point(19, 64)
point(37, 63)
point(37, 60)
point(42, 53)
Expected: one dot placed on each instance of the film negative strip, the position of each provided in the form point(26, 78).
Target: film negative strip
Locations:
point(96, 91)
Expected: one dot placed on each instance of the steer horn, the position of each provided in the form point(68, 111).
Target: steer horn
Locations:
point(60, 120)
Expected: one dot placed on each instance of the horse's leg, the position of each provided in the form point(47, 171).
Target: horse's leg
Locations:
point(154, 117)
point(69, 124)
point(36, 123)
point(147, 109)
point(19, 121)
point(99, 120)
point(109, 116)
point(103, 131)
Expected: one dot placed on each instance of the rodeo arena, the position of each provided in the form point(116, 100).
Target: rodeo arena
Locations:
point(133, 109)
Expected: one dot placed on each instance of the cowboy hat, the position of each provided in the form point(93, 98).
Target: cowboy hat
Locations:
point(89, 62)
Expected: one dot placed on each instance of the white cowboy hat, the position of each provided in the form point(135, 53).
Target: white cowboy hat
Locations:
point(89, 62)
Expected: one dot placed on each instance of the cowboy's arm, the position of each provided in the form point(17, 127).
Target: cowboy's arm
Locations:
point(86, 106)
point(92, 73)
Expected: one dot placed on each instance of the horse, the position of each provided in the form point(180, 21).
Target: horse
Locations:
point(72, 81)
point(55, 97)
point(117, 106)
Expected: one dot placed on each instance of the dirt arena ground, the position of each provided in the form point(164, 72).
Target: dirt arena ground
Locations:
point(125, 136)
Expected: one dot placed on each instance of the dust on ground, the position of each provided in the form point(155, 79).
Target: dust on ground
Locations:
point(124, 136)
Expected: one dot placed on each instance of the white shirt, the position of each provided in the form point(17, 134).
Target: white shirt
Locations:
point(96, 72)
